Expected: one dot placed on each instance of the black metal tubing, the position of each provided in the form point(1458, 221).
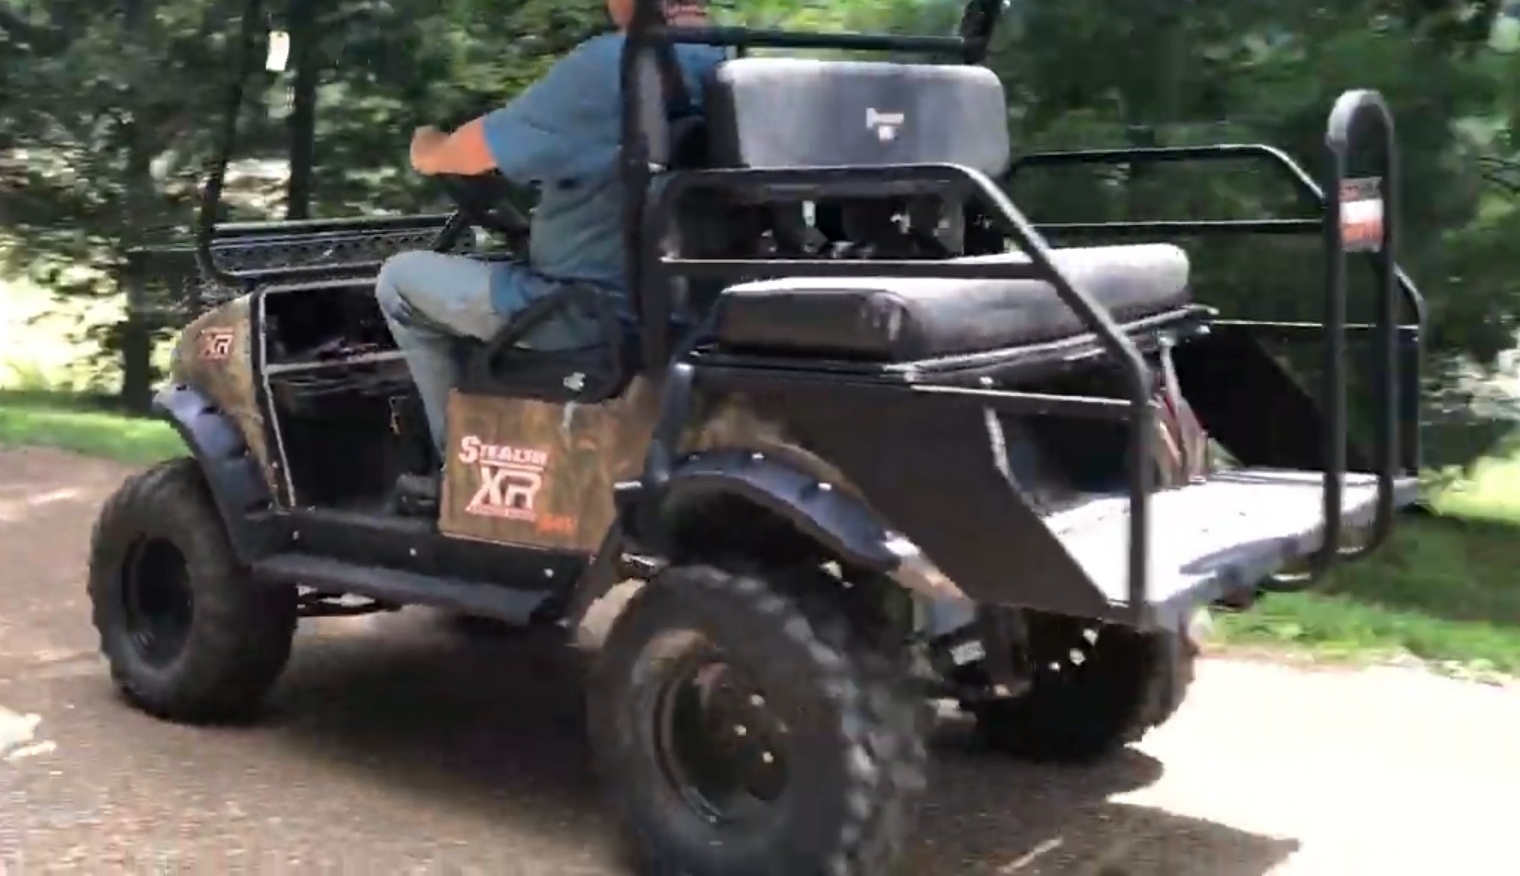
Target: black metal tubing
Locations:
point(208, 232)
point(316, 238)
point(306, 228)
point(648, 35)
point(256, 276)
point(1181, 227)
point(249, 236)
point(1302, 180)
point(784, 39)
point(1359, 109)
point(1394, 343)
point(787, 184)
point(978, 22)
point(1001, 400)
point(211, 196)
point(1356, 109)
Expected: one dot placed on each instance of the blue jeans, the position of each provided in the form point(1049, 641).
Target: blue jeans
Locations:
point(431, 300)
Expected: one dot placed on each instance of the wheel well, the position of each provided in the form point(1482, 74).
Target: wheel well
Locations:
point(727, 526)
point(227, 465)
point(733, 532)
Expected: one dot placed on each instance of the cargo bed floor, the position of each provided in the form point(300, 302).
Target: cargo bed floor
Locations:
point(1231, 531)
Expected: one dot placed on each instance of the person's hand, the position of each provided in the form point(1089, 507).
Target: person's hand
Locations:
point(425, 143)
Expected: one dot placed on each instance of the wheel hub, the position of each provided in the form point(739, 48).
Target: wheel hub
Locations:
point(157, 600)
point(721, 745)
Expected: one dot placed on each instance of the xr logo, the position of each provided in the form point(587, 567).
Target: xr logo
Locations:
point(506, 491)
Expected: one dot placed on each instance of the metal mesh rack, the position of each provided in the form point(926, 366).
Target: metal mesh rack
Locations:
point(167, 288)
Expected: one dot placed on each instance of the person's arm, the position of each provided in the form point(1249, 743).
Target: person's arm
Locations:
point(534, 137)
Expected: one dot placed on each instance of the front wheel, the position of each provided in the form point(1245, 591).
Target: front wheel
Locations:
point(189, 637)
point(743, 730)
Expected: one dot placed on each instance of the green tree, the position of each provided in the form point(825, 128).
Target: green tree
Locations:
point(107, 114)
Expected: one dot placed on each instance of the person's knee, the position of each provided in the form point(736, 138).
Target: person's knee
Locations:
point(396, 278)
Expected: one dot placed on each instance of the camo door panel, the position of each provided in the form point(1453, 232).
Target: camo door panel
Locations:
point(539, 474)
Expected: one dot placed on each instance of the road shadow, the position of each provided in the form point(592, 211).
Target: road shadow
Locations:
point(493, 725)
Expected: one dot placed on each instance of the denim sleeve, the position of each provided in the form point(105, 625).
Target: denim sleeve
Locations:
point(555, 128)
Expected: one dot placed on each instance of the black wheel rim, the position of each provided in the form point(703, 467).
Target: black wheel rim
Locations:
point(721, 746)
point(157, 601)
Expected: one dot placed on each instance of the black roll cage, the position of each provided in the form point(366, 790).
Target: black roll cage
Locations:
point(650, 271)
point(649, 50)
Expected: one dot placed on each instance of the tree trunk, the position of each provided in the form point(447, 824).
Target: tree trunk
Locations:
point(136, 336)
point(302, 122)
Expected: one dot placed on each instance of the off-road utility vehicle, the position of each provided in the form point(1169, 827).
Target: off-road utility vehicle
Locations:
point(866, 438)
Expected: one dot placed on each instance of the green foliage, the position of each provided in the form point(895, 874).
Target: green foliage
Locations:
point(46, 420)
point(1100, 73)
point(108, 114)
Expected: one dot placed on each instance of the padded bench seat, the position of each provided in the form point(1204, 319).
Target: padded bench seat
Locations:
point(887, 319)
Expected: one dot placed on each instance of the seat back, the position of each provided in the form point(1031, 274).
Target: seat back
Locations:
point(505, 365)
point(775, 113)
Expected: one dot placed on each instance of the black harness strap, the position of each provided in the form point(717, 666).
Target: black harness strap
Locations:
point(677, 95)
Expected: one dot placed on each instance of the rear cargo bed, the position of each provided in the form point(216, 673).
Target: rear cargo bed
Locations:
point(1208, 538)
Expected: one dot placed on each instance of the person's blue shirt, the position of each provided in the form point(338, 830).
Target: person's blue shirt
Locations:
point(562, 134)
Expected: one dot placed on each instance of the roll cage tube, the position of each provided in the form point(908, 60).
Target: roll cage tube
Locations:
point(206, 229)
point(648, 39)
point(211, 193)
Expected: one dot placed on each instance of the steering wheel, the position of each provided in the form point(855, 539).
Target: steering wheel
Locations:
point(484, 200)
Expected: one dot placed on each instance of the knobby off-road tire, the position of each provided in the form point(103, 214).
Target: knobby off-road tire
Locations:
point(1088, 698)
point(854, 752)
point(237, 636)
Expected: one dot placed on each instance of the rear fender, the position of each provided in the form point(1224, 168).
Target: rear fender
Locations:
point(231, 470)
point(831, 517)
point(840, 523)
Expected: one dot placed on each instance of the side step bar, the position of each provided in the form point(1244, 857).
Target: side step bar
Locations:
point(506, 604)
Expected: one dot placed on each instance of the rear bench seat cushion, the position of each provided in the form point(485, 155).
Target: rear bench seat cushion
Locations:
point(888, 319)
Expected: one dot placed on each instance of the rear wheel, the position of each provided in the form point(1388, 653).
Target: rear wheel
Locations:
point(188, 636)
point(1094, 688)
point(743, 732)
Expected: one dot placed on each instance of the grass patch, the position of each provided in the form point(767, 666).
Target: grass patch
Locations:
point(80, 425)
point(1443, 589)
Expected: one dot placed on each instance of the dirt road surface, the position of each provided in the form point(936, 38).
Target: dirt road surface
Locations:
point(401, 745)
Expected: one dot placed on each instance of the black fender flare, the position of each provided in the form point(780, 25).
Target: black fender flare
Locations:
point(835, 519)
point(231, 470)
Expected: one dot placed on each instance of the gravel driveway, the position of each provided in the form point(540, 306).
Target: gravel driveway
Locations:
point(399, 744)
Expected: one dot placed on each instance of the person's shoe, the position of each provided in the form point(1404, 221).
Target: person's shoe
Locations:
point(416, 495)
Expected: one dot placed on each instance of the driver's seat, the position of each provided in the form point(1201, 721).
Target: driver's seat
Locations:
point(590, 374)
point(593, 373)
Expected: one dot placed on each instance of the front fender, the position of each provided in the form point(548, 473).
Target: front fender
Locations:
point(231, 470)
point(836, 520)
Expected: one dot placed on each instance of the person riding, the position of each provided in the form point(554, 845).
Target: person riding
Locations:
point(563, 135)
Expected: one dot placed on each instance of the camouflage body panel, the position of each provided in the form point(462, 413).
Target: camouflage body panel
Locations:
point(214, 356)
point(535, 473)
point(541, 474)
